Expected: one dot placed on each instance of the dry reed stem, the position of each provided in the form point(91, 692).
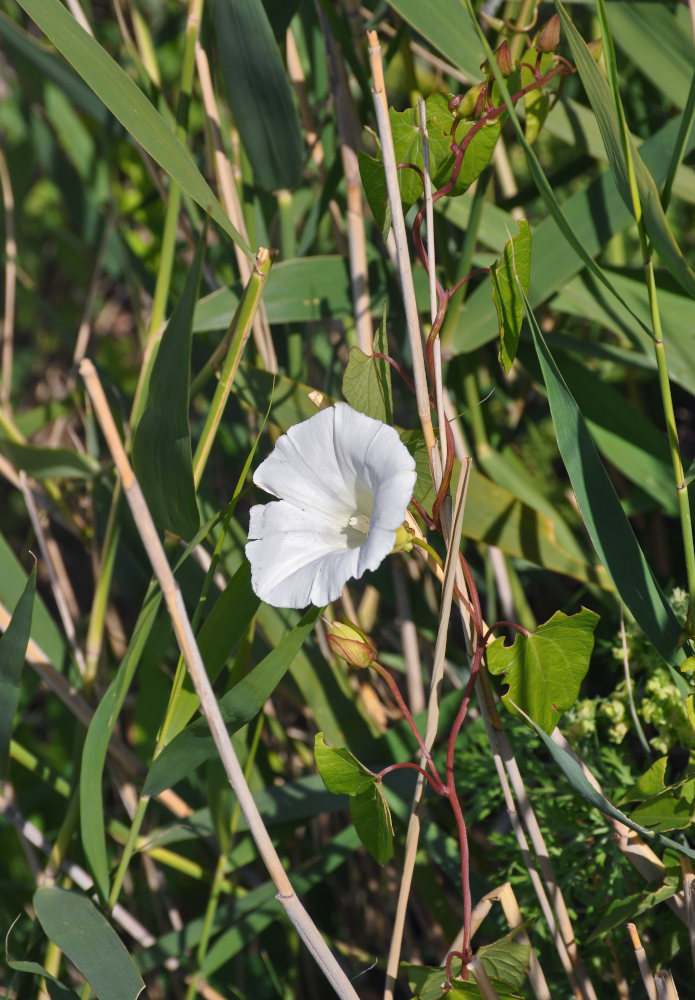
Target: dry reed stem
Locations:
point(431, 269)
point(10, 286)
point(689, 896)
point(409, 641)
point(173, 598)
point(295, 73)
point(413, 833)
point(79, 15)
point(642, 962)
point(528, 817)
point(232, 206)
point(493, 727)
point(62, 603)
point(346, 121)
point(403, 256)
point(483, 983)
point(665, 986)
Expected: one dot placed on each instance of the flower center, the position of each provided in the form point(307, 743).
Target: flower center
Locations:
point(360, 522)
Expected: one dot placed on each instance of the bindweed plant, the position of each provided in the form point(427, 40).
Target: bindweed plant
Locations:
point(422, 725)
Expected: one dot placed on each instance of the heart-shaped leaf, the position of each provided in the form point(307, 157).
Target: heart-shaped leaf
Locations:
point(545, 669)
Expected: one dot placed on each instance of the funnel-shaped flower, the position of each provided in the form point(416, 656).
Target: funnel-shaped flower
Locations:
point(344, 482)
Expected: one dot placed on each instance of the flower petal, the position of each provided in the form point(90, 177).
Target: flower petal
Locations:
point(303, 469)
point(375, 455)
point(297, 559)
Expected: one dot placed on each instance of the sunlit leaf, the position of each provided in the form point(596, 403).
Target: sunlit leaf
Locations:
point(507, 274)
point(340, 770)
point(545, 669)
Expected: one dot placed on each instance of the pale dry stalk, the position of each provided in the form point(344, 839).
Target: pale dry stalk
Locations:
point(173, 598)
point(295, 73)
point(10, 286)
point(232, 206)
point(403, 256)
point(62, 602)
point(642, 962)
point(431, 724)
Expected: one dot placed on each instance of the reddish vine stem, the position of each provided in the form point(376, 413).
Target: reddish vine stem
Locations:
point(413, 767)
point(393, 687)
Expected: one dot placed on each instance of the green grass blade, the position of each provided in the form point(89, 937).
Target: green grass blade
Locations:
point(605, 520)
point(603, 103)
point(129, 105)
point(162, 456)
point(95, 746)
point(259, 93)
point(13, 648)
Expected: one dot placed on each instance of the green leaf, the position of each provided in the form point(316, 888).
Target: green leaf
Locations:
point(544, 670)
point(449, 27)
point(96, 743)
point(75, 925)
point(259, 93)
point(34, 969)
point(239, 705)
point(664, 812)
point(13, 648)
point(507, 274)
point(603, 105)
point(478, 153)
point(426, 983)
point(129, 105)
point(649, 784)
point(44, 631)
point(374, 184)
point(340, 770)
point(372, 818)
point(162, 457)
point(367, 380)
point(619, 911)
point(605, 520)
point(49, 463)
point(506, 960)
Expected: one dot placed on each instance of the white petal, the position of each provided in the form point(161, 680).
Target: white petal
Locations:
point(297, 559)
point(303, 469)
point(374, 454)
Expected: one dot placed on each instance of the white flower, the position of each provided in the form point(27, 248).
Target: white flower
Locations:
point(344, 482)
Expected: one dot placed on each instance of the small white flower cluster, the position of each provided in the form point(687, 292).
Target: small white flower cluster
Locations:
point(343, 482)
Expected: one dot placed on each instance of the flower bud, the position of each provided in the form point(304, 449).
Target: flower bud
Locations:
point(351, 644)
point(404, 539)
point(504, 59)
point(549, 37)
point(480, 103)
point(464, 105)
point(596, 49)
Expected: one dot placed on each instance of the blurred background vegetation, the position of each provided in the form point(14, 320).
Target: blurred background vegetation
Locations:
point(98, 244)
